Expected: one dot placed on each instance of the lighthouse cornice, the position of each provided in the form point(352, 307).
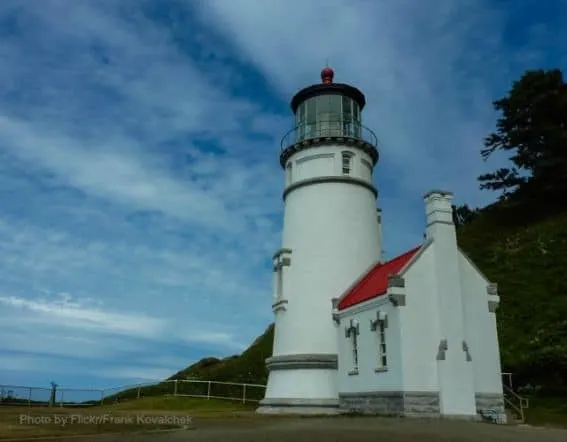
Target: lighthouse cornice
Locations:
point(327, 89)
point(330, 179)
point(364, 140)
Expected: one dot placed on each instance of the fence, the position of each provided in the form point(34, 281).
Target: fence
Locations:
point(71, 397)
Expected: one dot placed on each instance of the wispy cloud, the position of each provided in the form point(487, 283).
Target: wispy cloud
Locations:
point(71, 314)
point(139, 145)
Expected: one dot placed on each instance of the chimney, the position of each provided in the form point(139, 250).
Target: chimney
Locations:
point(455, 372)
point(439, 213)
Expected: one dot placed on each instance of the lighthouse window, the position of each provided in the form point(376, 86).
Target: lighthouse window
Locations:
point(382, 358)
point(347, 117)
point(335, 107)
point(347, 162)
point(356, 112)
point(352, 333)
point(300, 114)
point(288, 172)
point(379, 327)
point(309, 118)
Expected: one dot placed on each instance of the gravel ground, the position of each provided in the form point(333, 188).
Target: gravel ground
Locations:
point(343, 429)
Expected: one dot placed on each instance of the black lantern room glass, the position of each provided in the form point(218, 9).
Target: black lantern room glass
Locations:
point(328, 115)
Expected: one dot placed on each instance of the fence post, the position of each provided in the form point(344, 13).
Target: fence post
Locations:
point(52, 394)
point(175, 387)
point(62, 399)
point(29, 397)
point(138, 393)
point(243, 393)
point(101, 397)
point(209, 390)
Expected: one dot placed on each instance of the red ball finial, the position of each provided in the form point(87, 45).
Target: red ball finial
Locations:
point(327, 75)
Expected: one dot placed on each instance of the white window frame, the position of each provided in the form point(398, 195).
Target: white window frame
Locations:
point(289, 171)
point(346, 162)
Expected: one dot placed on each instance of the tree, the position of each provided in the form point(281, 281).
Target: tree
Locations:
point(463, 215)
point(533, 128)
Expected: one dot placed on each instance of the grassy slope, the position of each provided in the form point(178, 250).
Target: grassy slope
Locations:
point(248, 367)
point(528, 260)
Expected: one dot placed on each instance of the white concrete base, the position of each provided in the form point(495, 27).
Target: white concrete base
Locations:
point(301, 384)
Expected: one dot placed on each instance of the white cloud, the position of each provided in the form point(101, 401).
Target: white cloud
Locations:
point(71, 314)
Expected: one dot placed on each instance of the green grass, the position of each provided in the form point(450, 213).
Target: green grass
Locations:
point(547, 411)
point(209, 410)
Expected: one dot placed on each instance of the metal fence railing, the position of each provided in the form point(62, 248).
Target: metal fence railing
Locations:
point(76, 397)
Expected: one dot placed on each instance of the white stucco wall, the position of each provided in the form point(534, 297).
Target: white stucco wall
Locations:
point(332, 230)
point(445, 299)
point(420, 333)
point(327, 161)
point(481, 330)
point(368, 379)
point(302, 383)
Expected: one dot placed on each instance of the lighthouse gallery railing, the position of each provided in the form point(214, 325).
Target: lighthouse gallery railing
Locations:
point(328, 129)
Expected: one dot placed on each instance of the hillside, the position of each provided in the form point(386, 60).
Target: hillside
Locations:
point(247, 367)
point(526, 254)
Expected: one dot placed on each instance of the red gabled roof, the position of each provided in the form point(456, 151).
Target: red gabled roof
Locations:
point(375, 282)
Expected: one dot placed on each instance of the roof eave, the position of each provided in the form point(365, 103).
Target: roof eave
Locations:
point(414, 258)
point(473, 265)
point(345, 310)
point(403, 270)
point(354, 284)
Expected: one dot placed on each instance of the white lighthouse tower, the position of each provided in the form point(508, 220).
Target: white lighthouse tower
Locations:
point(331, 236)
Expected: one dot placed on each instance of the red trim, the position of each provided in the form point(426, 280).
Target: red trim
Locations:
point(375, 282)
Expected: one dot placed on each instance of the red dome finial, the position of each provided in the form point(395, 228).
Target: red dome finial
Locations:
point(327, 75)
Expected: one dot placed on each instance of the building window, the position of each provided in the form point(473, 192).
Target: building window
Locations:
point(347, 162)
point(288, 172)
point(352, 333)
point(382, 358)
point(379, 327)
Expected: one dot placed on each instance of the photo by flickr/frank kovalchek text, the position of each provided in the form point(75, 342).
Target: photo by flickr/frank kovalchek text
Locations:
point(98, 419)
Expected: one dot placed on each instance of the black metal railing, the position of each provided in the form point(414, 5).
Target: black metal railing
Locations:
point(324, 129)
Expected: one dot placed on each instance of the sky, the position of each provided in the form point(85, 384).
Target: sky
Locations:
point(139, 158)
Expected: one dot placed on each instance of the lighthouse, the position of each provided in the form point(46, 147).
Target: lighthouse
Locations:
point(331, 236)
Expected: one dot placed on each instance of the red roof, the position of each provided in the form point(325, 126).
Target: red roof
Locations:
point(375, 282)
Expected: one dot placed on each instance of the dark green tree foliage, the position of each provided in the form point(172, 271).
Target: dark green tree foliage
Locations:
point(532, 128)
point(463, 215)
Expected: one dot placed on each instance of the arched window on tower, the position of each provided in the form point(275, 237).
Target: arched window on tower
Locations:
point(347, 162)
point(288, 173)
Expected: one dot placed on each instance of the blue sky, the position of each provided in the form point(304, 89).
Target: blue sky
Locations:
point(141, 190)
